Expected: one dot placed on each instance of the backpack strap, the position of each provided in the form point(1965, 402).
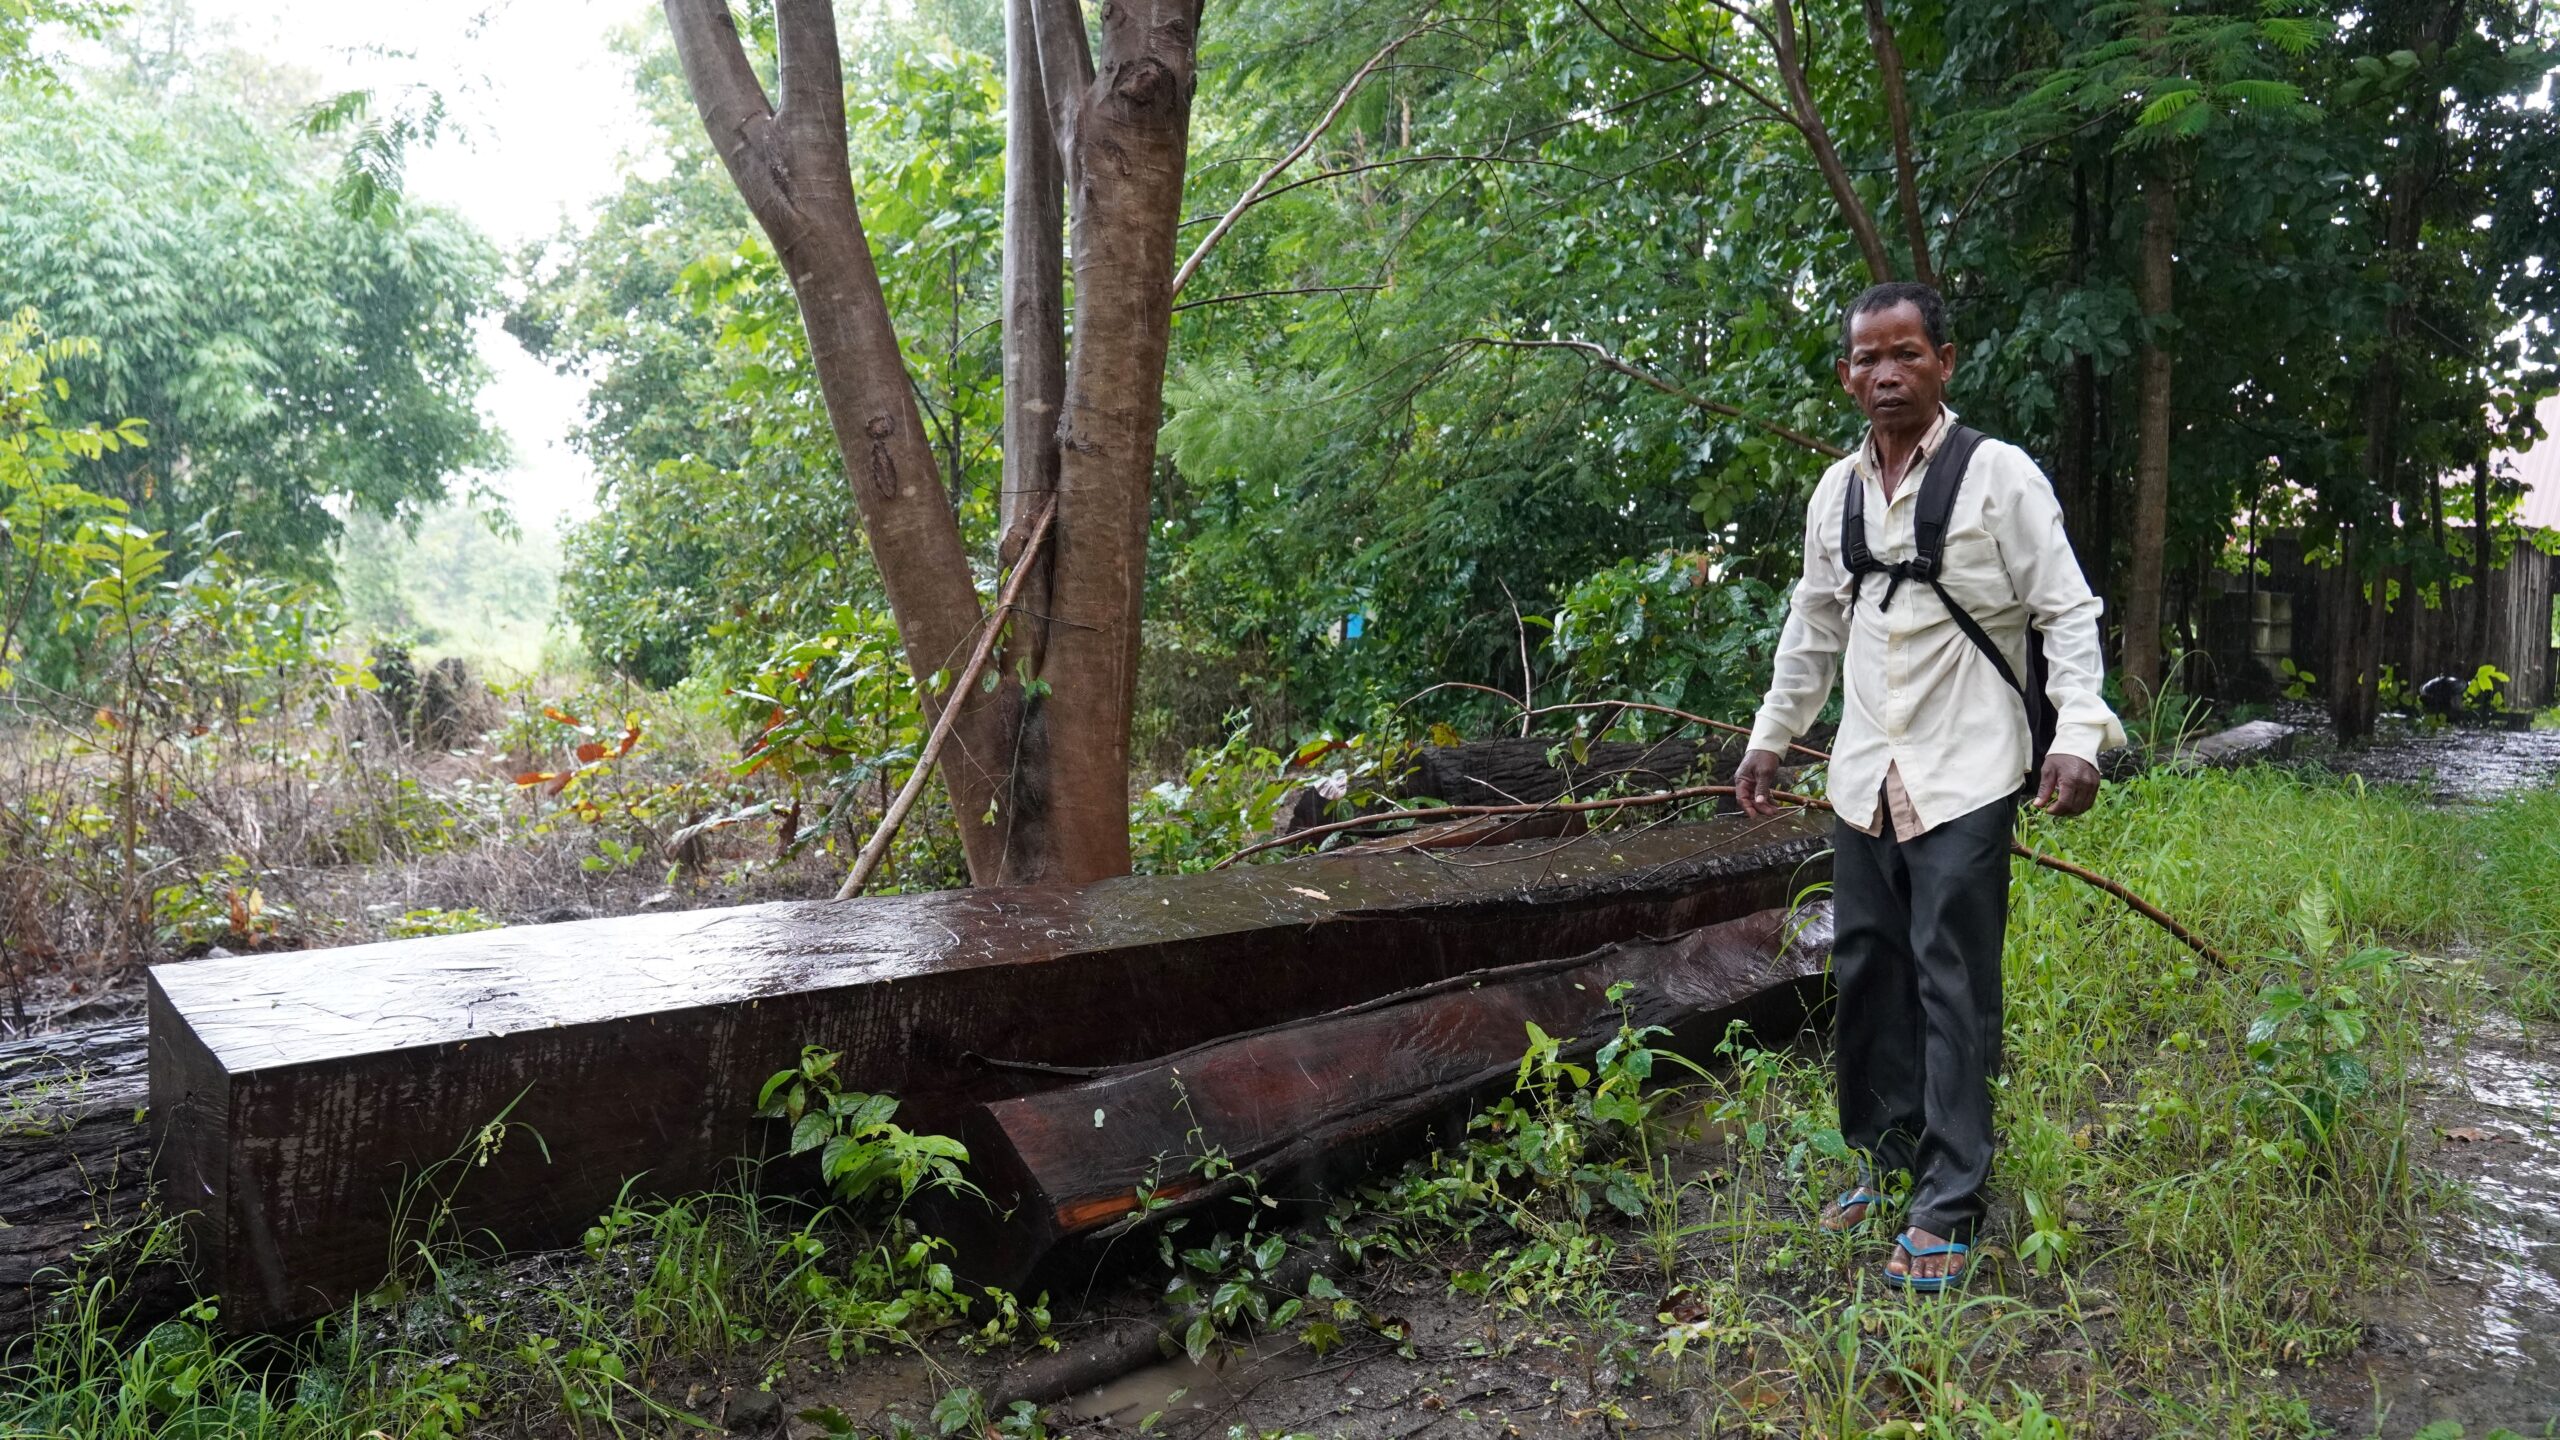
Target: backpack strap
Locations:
point(1854, 555)
point(1938, 499)
point(1938, 486)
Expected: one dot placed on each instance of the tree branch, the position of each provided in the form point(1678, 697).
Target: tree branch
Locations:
point(731, 101)
point(1706, 68)
point(1788, 43)
point(1607, 361)
point(809, 76)
point(1276, 191)
point(1066, 71)
point(1263, 294)
point(1253, 192)
point(1897, 103)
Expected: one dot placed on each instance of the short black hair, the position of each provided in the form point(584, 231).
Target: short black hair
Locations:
point(1932, 306)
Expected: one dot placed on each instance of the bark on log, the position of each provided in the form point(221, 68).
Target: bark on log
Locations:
point(1303, 1103)
point(75, 1163)
point(300, 1092)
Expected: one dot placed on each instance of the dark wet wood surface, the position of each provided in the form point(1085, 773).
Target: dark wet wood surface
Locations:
point(299, 1094)
point(1312, 1101)
point(75, 1163)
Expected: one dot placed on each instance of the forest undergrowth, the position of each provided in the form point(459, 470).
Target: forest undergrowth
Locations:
point(2203, 1169)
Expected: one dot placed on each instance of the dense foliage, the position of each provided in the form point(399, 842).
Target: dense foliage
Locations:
point(1383, 469)
point(292, 363)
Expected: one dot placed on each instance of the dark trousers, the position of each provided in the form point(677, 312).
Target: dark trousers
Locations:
point(1916, 957)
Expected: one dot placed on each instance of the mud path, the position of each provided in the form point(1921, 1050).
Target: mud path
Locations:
point(2474, 1337)
point(2449, 762)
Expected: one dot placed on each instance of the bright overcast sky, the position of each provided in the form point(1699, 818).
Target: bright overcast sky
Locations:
point(546, 105)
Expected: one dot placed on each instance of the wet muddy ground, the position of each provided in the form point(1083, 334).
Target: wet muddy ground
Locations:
point(2451, 762)
point(2475, 1337)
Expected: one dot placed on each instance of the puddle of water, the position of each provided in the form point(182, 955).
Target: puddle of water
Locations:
point(2475, 1337)
point(1189, 1393)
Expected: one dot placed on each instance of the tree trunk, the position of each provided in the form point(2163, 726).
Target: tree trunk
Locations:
point(2479, 644)
point(1127, 140)
point(2352, 692)
point(1035, 380)
point(1787, 45)
point(1897, 104)
point(790, 166)
point(2151, 464)
point(1039, 783)
point(2075, 446)
point(2404, 220)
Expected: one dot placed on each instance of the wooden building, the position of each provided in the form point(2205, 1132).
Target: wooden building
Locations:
point(2251, 627)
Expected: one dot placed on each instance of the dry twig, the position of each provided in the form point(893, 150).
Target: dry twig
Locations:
point(967, 680)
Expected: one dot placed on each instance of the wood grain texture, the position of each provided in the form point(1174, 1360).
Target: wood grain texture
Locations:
point(1304, 1104)
point(75, 1163)
point(298, 1094)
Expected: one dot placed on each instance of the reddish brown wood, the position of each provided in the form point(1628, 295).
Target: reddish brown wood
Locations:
point(298, 1093)
point(1302, 1102)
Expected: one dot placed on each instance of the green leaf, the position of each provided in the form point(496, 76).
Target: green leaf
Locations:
point(814, 1130)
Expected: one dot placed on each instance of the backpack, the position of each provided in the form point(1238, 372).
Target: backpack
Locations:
point(1937, 501)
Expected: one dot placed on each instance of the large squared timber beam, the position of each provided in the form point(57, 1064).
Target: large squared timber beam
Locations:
point(298, 1094)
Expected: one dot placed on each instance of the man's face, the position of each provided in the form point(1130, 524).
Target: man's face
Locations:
point(1892, 371)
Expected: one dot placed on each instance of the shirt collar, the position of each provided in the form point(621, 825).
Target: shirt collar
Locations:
point(1872, 470)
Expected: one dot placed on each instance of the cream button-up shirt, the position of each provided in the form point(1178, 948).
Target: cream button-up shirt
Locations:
point(1919, 703)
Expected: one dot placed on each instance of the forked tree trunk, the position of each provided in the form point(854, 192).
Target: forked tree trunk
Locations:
point(2151, 460)
point(789, 163)
point(1046, 800)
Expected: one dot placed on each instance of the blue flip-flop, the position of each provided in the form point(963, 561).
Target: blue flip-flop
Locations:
point(1923, 1252)
point(1861, 1194)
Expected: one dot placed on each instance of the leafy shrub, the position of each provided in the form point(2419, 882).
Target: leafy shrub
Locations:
point(1669, 629)
point(862, 1155)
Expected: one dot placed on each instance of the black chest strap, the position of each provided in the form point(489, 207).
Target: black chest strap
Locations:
point(1938, 487)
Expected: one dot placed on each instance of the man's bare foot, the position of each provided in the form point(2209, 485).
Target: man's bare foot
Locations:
point(1924, 1266)
point(1850, 1210)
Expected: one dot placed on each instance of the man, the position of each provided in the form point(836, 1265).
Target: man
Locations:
point(1934, 744)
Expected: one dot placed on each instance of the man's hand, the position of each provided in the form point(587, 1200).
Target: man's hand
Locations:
point(2068, 787)
point(1755, 784)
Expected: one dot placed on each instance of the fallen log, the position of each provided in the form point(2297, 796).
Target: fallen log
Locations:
point(75, 1162)
point(1298, 1105)
point(299, 1094)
